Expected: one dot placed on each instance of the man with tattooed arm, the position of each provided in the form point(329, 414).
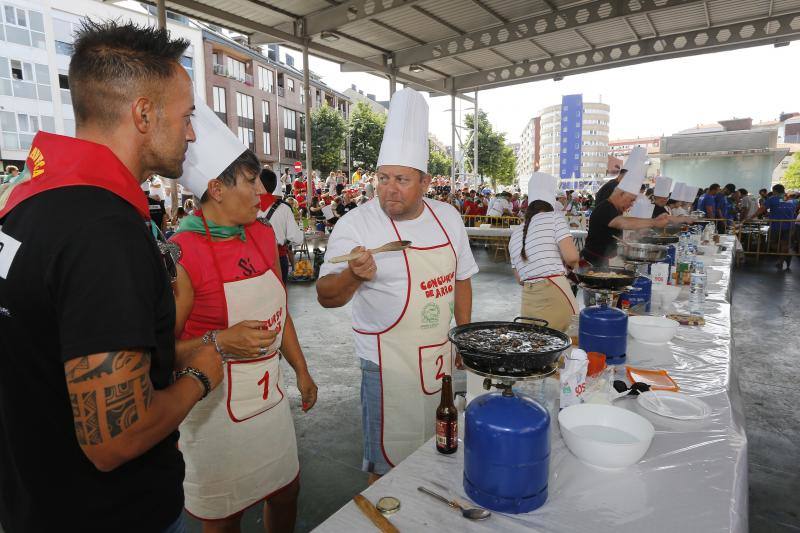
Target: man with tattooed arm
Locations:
point(89, 404)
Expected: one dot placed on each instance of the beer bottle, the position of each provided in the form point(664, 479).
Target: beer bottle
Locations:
point(447, 420)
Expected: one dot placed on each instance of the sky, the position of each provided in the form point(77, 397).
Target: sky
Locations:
point(650, 99)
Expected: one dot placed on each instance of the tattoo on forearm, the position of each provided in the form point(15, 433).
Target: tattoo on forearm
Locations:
point(101, 410)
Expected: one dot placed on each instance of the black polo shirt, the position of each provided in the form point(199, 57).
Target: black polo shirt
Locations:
point(658, 211)
point(600, 243)
point(85, 278)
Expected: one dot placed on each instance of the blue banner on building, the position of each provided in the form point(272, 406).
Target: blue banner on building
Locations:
point(571, 138)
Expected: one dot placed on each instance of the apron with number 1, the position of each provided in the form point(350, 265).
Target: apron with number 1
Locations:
point(239, 443)
point(414, 353)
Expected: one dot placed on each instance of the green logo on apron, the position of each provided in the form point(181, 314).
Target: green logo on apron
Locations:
point(430, 315)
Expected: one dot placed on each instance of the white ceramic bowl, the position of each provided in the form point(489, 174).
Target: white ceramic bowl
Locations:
point(605, 436)
point(709, 250)
point(652, 329)
point(714, 275)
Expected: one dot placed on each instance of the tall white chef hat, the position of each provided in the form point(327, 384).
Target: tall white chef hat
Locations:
point(542, 186)
point(633, 179)
point(663, 186)
point(642, 207)
point(216, 147)
point(405, 138)
point(677, 191)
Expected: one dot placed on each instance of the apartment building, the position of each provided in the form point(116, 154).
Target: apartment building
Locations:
point(261, 99)
point(37, 38)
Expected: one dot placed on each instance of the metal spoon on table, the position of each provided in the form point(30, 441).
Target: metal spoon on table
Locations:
point(471, 513)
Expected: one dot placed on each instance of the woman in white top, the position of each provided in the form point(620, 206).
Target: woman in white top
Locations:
point(539, 249)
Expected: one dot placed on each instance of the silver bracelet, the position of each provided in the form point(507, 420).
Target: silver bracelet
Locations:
point(198, 375)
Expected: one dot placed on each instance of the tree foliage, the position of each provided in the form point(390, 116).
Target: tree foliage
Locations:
point(438, 163)
point(495, 159)
point(328, 133)
point(366, 132)
point(791, 178)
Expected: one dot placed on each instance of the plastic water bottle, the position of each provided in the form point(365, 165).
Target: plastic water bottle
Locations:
point(697, 289)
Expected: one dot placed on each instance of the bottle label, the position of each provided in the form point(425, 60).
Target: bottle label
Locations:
point(447, 434)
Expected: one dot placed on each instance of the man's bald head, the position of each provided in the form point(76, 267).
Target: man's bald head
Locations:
point(114, 63)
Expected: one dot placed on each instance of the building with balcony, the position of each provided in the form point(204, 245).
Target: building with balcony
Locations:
point(261, 99)
point(574, 142)
point(357, 95)
point(621, 149)
point(37, 38)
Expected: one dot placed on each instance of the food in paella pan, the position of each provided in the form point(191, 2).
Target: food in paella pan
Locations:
point(609, 275)
point(505, 340)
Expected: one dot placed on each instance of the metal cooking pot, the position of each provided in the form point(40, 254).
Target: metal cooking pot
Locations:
point(638, 251)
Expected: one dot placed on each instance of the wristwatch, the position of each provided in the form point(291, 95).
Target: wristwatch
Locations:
point(198, 375)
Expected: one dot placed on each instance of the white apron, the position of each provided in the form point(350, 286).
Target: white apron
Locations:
point(239, 443)
point(414, 353)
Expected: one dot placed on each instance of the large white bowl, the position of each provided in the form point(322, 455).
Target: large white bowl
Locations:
point(713, 275)
point(605, 436)
point(652, 329)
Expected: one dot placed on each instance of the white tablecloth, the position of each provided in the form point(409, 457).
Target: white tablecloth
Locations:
point(693, 477)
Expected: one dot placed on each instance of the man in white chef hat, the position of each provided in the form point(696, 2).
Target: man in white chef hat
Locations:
point(661, 191)
point(607, 220)
point(403, 301)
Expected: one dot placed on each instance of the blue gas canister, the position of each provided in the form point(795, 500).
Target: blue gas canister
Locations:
point(640, 293)
point(604, 329)
point(506, 452)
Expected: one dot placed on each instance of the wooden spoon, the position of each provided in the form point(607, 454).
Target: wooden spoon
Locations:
point(394, 246)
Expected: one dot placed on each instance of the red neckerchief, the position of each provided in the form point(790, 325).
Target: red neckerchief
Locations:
point(266, 200)
point(56, 161)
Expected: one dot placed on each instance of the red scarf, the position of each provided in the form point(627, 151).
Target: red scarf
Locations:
point(266, 199)
point(55, 161)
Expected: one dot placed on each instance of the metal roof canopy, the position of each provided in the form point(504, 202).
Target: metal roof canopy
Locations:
point(451, 47)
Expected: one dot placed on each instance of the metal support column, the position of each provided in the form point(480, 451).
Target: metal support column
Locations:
point(307, 98)
point(392, 83)
point(162, 14)
point(453, 141)
point(475, 140)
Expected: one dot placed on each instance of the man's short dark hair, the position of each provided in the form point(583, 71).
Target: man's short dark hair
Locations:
point(247, 161)
point(762, 191)
point(268, 179)
point(778, 189)
point(731, 188)
point(713, 186)
point(743, 192)
point(113, 61)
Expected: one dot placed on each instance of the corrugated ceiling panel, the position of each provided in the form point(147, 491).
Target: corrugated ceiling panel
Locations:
point(415, 23)
point(349, 47)
point(248, 10)
point(726, 11)
point(460, 13)
point(641, 26)
point(520, 50)
point(680, 19)
point(608, 32)
point(560, 42)
point(367, 30)
point(301, 7)
point(483, 58)
point(450, 66)
point(515, 9)
point(782, 6)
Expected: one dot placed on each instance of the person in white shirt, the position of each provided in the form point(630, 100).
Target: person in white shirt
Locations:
point(286, 182)
point(500, 206)
point(403, 302)
point(281, 217)
point(330, 183)
point(749, 205)
point(369, 188)
point(539, 249)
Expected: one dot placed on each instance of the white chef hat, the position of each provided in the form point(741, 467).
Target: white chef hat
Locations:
point(642, 207)
point(662, 187)
point(633, 179)
point(405, 138)
point(542, 186)
point(216, 147)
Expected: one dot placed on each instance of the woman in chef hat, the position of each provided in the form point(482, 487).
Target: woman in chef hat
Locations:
point(239, 443)
point(539, 249)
